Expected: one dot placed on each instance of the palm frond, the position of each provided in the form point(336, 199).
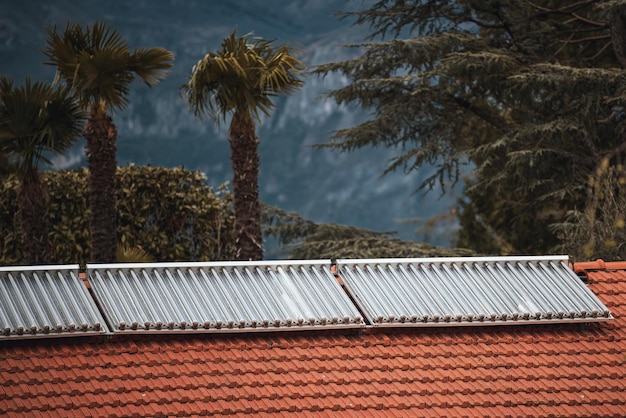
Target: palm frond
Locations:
point(128, 254)
point(36, 118)
point(101, 37)
point(243, 76)
point(97, 63)
point(151, 65)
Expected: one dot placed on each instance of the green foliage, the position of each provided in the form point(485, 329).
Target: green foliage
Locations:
point(98, 64)
point(10, 233)
point(173, 215)
point(6, 167)
point(36, 118)
point(306, 240)
point(68, 214)
point(170, 213)
point(125, 254)
point(598, 230)
point(529, 95)
point(244, 77)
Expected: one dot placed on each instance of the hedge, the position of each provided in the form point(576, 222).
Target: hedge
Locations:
point(170, 213)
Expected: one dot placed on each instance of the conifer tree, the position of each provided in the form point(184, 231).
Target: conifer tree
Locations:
point(526, 99)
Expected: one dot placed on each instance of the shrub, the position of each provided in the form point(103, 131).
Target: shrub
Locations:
point(171, 214)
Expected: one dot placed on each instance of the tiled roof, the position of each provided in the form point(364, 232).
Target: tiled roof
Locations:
point(535, 370)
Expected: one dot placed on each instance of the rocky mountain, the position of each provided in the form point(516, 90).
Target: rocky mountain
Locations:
point(157, 128)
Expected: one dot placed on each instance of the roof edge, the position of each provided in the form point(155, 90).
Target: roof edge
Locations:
point(599, 264)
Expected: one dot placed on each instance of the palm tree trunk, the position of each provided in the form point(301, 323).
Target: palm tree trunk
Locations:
point(33, 218)
point(244, 156)
point(101, 136)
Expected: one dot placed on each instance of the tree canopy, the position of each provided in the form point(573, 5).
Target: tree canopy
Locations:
point(170, 214)
point(36, 120)
point(98, 65)
point(523, 101)
point(243, 78)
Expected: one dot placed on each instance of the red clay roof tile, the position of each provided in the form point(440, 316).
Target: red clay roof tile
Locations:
point(491, 371)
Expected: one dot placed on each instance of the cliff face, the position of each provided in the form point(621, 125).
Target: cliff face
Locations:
point(156, 128)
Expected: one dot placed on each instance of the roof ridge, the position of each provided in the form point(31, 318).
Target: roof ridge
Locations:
point(599, 264)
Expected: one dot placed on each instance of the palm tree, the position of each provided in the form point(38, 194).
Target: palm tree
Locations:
point(6, 167)
point(242, 78)
point(99, 66)
point(35, 119)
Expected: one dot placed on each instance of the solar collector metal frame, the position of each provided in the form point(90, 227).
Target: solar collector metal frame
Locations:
point(53, 301)
point(222, 297)
point(470, 291)
point(46, 301)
